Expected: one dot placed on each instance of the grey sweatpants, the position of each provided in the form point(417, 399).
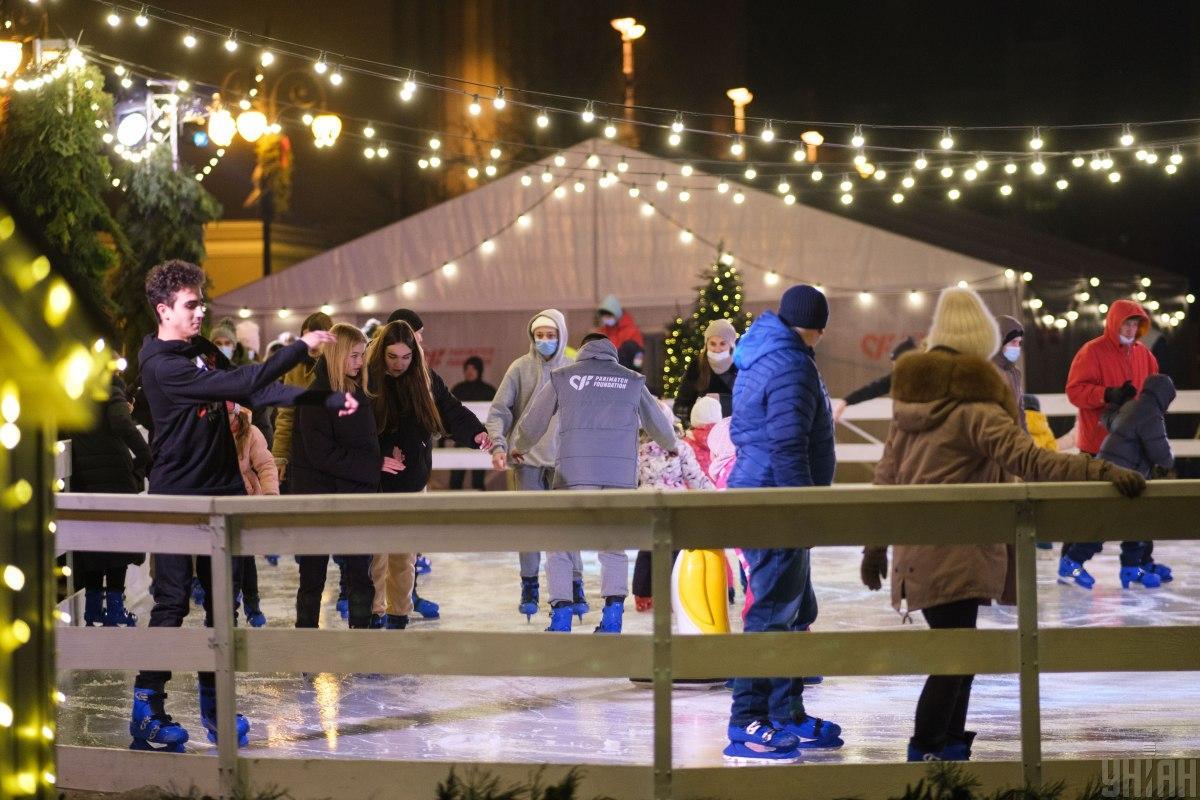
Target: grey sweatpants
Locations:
point(540, 479)
point(614, 568)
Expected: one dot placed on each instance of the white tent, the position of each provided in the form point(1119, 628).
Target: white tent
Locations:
point(593, 241)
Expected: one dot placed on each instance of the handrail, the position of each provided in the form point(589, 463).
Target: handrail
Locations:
point(972, 514)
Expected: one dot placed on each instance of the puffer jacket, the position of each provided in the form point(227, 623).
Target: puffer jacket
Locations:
point(1105, 363)
point(254, 458)
point(658, 469)
point(954, 421)
point(332, 454)
point(782, 423)
point(1137, 431)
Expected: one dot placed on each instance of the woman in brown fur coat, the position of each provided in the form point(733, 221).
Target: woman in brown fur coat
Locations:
point(954, 421)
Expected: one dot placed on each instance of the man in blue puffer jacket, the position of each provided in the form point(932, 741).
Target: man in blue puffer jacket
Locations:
point(783, 430)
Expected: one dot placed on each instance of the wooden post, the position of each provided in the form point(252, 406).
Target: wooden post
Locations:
point(1027, 628)
point(223, 653)
point(660, 589)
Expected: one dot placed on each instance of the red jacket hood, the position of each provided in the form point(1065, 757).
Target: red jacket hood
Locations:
point(1120, 311)
point(623, 331)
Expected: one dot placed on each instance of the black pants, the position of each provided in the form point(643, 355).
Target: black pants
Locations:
point(1133, 554)
point(360, 591)
point(458, 475)
point(249, 582)
point(112, 579)
point(942, 709)
point(172, 590)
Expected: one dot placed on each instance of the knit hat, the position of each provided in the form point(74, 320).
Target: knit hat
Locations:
point(223, 330)
point(962, 323)
point(706, 411)
point(610, 305)
point(722, 329)
point(477, 363)
point(409, 316)
point(1010, 328)
point(248, 335)
point(803, 306)
point(542, 322)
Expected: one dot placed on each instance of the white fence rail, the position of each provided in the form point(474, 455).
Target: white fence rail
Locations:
point(503, 521)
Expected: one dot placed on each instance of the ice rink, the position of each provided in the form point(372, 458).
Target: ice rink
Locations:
point(462, 719)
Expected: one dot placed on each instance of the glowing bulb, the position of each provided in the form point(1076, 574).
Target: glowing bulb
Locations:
point(661, 184)
point(1171, 169)
point(908, 182)
point(327, 308)
point(449, 269)
point(981, 164)
point(947, 171)
point(1114, 177)
point(580, 187)
point(266, 58)
point(1152, 158)
point(1038, 167)
point(921, 162)
point(1190, 298)
point(962, 284)
point(898, 198)
point(816, 176)
point(622, 165)
point(947, 141)
point(737, 148)
point(1176, 157)
point(113, 18)
point(970, 175)
point(523, 221)
point(1048, 320)
point(547, 176)
point(751, 173)
point(498, 102)
point(490, 170)
point(647, 210)
point(231, 43)
point(610, 130)
point(686, 170)
point(408, 288)
point(1078, 161)
point(543, 119)
point(560, 192)
point(1035, 143)
point(915, 298)
point(560, 160)
point(846, 185)
point(686, 236)
point(1072, 315)
point(1145, 282)
point(771, 278)
point(1027, 276)
point(798, 154)
point(1126, 136)
point(14, 578)
point(954, 194)
point(768, 133)
point(847, 199)
point(865, 298)
point(1062, 184)
point(857, 139)
point(589, 112)
point(1010, 168)
point(244, 312)
point(784, 187)
point(674, 139)
point(472, 172)
point(495, 152)
point(474, 109)
point(739, 198)
point(1036, 303)
point(684, 196)
point(189, 40)
point(526, 179)
point(335, 77)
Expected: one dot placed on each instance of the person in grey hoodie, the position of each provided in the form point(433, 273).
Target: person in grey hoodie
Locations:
point(600, 406)
point(547, 351)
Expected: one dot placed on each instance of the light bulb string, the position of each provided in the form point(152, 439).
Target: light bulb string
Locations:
point(399, 73)
point(216, 303)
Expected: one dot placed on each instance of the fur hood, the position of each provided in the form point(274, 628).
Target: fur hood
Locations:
point(927, 387)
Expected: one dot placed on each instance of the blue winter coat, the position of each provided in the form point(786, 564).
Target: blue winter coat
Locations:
point(782, 423)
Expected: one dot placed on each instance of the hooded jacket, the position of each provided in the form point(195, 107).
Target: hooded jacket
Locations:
point(1106, 363)
point(954, 421)
point(522, 380)
point(113, 456)
point(416, 441)
point(192, 448)
point(1137, 437)
point(626, 330)
point(782, 423)
point(600, 406)
point(1008, 369)
point(332, 454)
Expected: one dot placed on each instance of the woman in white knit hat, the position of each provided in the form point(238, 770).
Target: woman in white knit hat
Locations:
point(712, 373)
point(954, 420)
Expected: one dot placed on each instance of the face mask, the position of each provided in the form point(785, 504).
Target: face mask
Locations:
point(719, 359)
point(608, 322)
point(227, 349)
point(1012, 353)
point(1126, 340)
point(547, 347)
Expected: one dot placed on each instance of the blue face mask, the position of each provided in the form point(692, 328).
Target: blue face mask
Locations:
point(1013, 354)
point(547, 347)
point(227, 349)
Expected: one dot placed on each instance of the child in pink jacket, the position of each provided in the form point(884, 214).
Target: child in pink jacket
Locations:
point(261, 477)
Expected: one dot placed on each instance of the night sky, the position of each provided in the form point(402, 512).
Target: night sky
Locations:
point(940, 63)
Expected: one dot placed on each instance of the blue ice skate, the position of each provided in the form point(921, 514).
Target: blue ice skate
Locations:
point(529, 598)
point(273, 560)
point(197, 592)
point(579, 599)
point(812, 732)
point(610, 622)
point(208, 718)
point(422, 565)
point(1161, 570)
point(759, 743)
point(1070, 570)
point(560, 618)
point(917, 754)
point(378, 622)
point(958, 748)
point(1138, 575)
point(426, 608)
point(343, 608)
point(395, 622)
point(151, 727)
point(115, 613)
point(93, 608)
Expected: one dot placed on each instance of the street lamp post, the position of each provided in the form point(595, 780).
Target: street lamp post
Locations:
point(630, 30)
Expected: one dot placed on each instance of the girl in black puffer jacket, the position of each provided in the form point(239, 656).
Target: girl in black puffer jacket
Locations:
point(411, 404)
point(112, 458)
point(334, 454)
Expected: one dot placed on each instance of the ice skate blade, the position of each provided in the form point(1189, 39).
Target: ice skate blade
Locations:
point(145, 746)
point(821, 744)
point(742, 753)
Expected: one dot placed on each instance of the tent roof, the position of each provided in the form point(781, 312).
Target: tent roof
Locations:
point(591, 243)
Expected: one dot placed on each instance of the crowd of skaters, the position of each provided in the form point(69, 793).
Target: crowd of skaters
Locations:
point(359, 412)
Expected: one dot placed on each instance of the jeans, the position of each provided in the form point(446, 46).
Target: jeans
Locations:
point(359, 589)
point(1133, 554)
point(172, 590)
point(942, 707)
point(779, 598)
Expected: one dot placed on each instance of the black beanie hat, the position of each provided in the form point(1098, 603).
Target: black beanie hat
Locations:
point(407, 315)
point(803, 306)
point(476, 362)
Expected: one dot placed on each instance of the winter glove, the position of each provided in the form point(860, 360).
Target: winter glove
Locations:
point(874, 568)
point(1119, 395)
point(1128, 482)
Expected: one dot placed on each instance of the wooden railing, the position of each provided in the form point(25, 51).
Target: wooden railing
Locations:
point(503, 521)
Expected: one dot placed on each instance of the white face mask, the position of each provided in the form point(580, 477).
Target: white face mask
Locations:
point(227, 349)
point(608, 322)
point(1126, 340)
point(719, 359)
point(1013, 354)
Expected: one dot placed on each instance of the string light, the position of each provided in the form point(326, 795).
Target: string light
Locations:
point(722, 186)
point(739, 198)
point(498, 102)
point(1078, 161)
point(768, 133)
point(908, 182)
point(1035, 143)
point(1114, 177)
point(686, 170)
point(1038, 167)
point(474, 109)
point(449, 269)
point(634, 191)
point(189, 40)
point(847, 199)
point(947, 171)
point(409, 87)
point(141, 20)
point(589, 112)
point(686, 236)
point(610, 130)
point(231, 42)
point(113, 18)
point(1010, 168)
point(543, 119)
point(954, 194)
point(1061, 184)
point(751, 173)
point(947, 141)
point(798, 154)
point(981, 164)
point(816, 175)
point(622, 165)
point(1126, 136)
point(737, 148)
point(898, 198)
point(266, 58)
point(921, 162)
point(661, 184)
point(857, 140)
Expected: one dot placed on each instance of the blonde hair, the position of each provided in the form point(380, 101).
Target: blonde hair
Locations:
point(335, 354)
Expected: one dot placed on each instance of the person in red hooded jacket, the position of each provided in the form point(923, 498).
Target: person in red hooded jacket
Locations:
point(619, 326)
point(1107, 371)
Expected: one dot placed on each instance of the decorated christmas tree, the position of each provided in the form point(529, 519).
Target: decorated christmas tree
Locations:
point(720, 297)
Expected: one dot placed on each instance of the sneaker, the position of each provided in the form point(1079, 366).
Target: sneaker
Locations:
point(1070, 570)
point(760, 743)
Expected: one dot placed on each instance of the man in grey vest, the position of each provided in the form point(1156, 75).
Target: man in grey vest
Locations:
point(601, 406)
